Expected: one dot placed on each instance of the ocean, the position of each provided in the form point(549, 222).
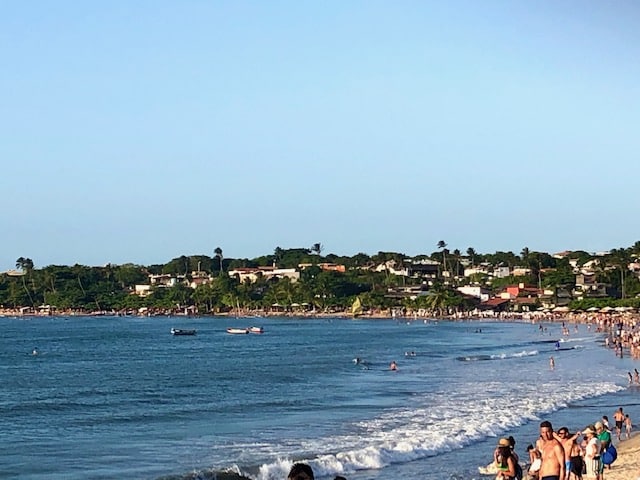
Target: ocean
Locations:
point(122, 398)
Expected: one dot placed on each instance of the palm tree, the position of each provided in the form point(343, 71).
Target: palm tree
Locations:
point(472, 255)
point(456, 255)
point(443, 246)
point(26, 265)
point(218, 254)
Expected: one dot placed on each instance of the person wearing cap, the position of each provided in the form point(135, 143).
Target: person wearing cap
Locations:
point(505, 461)
point(591, 453)
point(553, 466)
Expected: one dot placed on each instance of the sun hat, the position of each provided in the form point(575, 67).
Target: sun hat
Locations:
point(598, 425)
point(588, 430)
point(504, 442)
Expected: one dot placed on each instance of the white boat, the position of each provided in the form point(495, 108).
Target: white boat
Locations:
point(256, 330)
point(237, 331)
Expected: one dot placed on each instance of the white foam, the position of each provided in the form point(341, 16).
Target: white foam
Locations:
point(431, 425)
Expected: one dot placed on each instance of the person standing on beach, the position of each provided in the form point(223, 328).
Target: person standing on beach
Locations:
point(591, 453)
point(505, 460)
point(618, 417)
point(553, 466)
point(627, 426)
point(567, 441)
point(552, 363)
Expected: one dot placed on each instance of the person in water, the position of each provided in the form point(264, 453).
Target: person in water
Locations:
point(393, 365)
point(300, 471)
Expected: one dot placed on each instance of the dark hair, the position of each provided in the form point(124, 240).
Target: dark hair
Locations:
point(546, 424)
point(529, 447)
point(299, 468)
point(512, 441)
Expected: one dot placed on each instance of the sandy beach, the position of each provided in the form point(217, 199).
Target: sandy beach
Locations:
point(627, 466)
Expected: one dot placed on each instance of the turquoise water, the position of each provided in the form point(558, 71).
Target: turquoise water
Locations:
point(120, 397)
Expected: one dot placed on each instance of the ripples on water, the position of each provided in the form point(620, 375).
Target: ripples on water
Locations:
point(122, 398)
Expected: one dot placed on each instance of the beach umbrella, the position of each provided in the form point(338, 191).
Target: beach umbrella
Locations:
point(592, 309)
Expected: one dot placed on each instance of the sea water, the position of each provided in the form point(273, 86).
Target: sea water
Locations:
point(120, 397)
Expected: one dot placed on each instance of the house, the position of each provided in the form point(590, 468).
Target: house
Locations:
point(496, 304)
point(478, 292)
point(254, 273)
point(199, 278)
point(393, 268)
point(164, 280)
point(521, 271)
point(424, 268)
point(587, 286)
point(326, 267)
point(142, 290)
point(412, 292)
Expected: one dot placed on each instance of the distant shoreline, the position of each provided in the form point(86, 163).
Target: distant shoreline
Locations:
point(594, 318)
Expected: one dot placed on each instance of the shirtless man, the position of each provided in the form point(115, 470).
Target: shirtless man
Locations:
point(619, 419)
point(567, 441)
point(553, 466)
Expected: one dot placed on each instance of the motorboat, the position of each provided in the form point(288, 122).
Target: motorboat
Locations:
point(256, 330)
point(181, 331)
point(237, 331)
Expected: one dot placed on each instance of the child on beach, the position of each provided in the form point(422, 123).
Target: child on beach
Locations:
point(627, 426)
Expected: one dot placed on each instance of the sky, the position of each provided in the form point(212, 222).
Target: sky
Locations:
point(137, 132)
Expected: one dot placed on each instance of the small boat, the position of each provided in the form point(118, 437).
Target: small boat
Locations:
point(256, 330)
point(237, 331)
point(180, 331)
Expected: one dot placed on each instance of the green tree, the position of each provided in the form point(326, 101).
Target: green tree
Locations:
point(442, 246)
point(218, 254)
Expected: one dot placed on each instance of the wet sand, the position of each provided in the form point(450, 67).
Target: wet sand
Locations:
point(627, 466)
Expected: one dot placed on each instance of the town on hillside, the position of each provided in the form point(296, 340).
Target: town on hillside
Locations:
point(303, 281)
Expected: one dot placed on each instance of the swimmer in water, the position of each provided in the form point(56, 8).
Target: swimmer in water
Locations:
point(35, 351)
point(393, 366)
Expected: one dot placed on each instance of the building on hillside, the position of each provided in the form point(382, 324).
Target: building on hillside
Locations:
point(521, 271)
point(254, 273)
point(587, 286)
point(478, 292)
point(199, 278)
point(424, 268)
point(411, 292)
point(325, 266)
point(393, 268)
point(142, 290)
point(496, 304)
point(165, 280)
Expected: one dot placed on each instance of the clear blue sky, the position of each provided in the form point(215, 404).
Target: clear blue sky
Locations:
point(139, 131)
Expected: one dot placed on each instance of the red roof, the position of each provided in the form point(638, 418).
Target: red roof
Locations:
point(494, 302)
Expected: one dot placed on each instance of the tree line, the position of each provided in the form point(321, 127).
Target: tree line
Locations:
point(110, 287)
